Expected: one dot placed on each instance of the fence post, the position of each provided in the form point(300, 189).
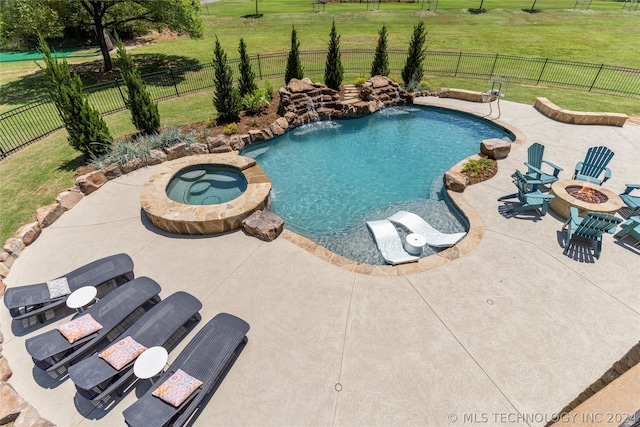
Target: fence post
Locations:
point(259, 66)
point(596, 78)
point(542, 71)
point(124, 100)
point(494, 66)
point(173, 80)
point(458, 64)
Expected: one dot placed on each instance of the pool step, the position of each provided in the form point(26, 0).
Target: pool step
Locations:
point(351, 94)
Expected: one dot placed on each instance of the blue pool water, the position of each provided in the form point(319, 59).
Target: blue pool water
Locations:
point(206, 184)
point(330, 177)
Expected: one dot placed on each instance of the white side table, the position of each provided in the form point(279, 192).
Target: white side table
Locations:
point(82, 298)
point(150, 363)
point(414, 243)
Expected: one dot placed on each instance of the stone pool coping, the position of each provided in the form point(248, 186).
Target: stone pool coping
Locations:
point(180, 218)
point(460, 249)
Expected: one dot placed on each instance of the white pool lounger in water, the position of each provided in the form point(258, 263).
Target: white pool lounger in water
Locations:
point(415, 224)
point(389, 243)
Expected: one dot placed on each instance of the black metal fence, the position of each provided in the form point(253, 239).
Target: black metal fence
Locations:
point(37, 119)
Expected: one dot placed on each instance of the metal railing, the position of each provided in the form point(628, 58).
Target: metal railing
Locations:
point(23, 125)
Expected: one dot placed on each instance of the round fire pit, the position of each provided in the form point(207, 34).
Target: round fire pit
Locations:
point(585, 196)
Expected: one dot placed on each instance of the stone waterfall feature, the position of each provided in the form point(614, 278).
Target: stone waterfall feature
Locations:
point(385, 92)
point(303, 101)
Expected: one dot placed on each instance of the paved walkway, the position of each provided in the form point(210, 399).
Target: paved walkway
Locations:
point(513, 331)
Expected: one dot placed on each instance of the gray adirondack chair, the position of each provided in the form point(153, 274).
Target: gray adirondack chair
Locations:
point(594, 163)
point(591, 227)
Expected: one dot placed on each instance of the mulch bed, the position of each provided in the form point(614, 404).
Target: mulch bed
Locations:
point(484, 175)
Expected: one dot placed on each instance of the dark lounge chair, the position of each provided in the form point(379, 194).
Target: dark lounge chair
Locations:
point(31, 300)
point(206, 357)
point(51, 350)
point(162, 325)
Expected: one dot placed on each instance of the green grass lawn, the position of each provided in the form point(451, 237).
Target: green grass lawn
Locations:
point(35, 175)
point(599, 35)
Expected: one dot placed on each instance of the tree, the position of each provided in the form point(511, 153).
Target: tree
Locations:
point(104, 15)
point(246, 83)
point(144, 112)
point(226, 98)
point(413, 66)
point(333, 70)
point(22, 20)
point(87, 130)
point(380, 66)
point(294, 66)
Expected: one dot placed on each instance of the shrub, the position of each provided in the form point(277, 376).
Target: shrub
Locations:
point(269, 89)
point(129, 149)
point(333, 70)
point(256, 101)
point(230, 129)
point(246, 83)
point(226, 98)
point(475, 167)
point(294, 66)
point(380, 66)
point(413, 66)
point(144, 112)
point(87, 130)
point(360, 81)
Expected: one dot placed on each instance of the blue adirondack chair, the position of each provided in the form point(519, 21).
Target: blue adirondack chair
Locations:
point(529, 199)
point(632, 201)
point(630, 227)
point(594, 163)
point(591, 227)
point(535, 173)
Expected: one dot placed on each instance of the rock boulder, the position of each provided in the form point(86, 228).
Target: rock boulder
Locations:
point(455, 181)
point(49, 214)
point(264, 225)
point(495, 148)
point(28, 233)
point(90, 182)
point(68, 199)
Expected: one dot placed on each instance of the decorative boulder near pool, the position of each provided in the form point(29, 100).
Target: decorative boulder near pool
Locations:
point(264, 225)
point(455, 181)
point(495, 148)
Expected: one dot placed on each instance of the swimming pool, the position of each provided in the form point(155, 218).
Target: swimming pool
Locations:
point(330, 177)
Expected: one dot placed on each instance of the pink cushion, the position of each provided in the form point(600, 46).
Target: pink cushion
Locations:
point(177, 388)
point(79, 328)
point(122, 352)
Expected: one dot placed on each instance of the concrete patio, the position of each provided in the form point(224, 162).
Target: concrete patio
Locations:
point(513, 331)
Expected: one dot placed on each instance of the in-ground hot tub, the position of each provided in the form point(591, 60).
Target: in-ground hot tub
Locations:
point(206, 184)
point(205, 194)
